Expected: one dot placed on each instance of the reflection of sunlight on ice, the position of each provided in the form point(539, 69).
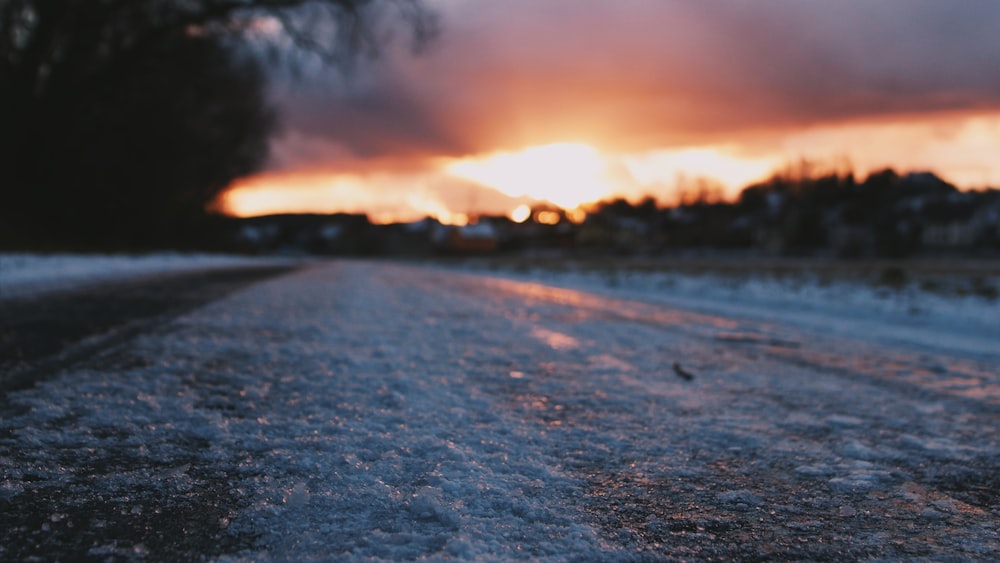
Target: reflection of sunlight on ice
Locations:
point(607, 362)
point(540, 291)
point(556, 340)
point(611, 307)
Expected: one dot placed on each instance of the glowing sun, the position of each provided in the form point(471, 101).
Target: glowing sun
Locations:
point(566, 174)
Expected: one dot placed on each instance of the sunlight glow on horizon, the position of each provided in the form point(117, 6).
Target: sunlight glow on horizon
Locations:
point(268, 194)
point(570, 175)
point(957, 147)
point(520, 214)
point(676, 167)
point(566, 174)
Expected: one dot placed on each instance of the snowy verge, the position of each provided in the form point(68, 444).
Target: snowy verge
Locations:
point(23, 274)
point(908, 314)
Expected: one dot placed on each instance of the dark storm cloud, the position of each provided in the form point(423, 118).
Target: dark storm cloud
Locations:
point(812, 61)
point(637, 74)
point(363, 118)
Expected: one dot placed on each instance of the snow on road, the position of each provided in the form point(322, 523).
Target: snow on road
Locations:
point(368, 410)
point(901, 313)
point(24, 274)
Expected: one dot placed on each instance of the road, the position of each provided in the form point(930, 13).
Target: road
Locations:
point(361, 410)
point(39, 333)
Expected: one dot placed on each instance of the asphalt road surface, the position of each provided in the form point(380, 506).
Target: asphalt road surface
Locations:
point(38, 334)
point(368, 410)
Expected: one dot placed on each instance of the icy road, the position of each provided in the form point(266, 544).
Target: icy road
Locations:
point(366, 410)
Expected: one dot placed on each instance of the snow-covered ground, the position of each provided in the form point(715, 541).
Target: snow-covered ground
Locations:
point(23, 273)
point(360, 411)
point(906, 313)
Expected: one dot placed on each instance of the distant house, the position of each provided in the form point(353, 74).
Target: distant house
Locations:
point(611, 231)
point(596, 231)
point(949, 235)
point(951, 224)
point(417, 238)
point(849, 233)
point(257, 236)
point(479, 238)
point(306, 233)
point(989, 221)
point(925, 184)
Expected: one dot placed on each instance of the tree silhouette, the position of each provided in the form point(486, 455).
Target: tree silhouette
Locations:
point(121, 119)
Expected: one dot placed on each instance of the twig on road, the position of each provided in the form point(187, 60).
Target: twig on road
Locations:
point(681, 373)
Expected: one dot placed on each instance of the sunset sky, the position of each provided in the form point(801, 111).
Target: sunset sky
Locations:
point(571, 101)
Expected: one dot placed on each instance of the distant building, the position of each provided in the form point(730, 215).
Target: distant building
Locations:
point(479, 238)
point(339, 233)
point(951, 224)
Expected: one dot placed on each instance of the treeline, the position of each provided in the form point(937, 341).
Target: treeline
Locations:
point(803, 214)
point(885, 214)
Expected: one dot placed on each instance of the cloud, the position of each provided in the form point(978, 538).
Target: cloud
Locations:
point(636, 75)
point(344, 123)
point(645, 73)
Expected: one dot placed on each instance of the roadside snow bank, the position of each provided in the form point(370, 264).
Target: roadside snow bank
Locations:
point(909, 314)
point(23, 274)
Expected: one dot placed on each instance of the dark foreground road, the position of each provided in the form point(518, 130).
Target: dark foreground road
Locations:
point(372, 411)
point(41, 334)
